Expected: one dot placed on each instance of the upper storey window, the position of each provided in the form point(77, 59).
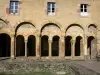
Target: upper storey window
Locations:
point(14, 6)
point(51, 8)
point(84, 10)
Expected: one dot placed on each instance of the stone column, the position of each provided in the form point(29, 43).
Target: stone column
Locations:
point(73, 48)
point(85, 48)
point(25, 48)
point(12, 47)
point(62, 47)
point(50, 46)
point(38, 46)
point(81, 47)
point(15, 45)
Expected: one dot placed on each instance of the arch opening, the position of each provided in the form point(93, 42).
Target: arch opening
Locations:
point(48, 24)
point(74, 25)
point(31, 46)
point(92, 29)
point(5, 45)
point(68, 45)
point(55, 46)
point(20, 46)
point(91, 47)
point(23, 26)
point(78, 46)
point(44, 46)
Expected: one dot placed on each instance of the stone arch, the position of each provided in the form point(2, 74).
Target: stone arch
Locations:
point(31, 45)
point(68, 45)
point(91, 47)
point(53, 22)
point(92, 28)
point(50, 29)
point(55, 46)
point(44, 46)
point(78, 46)
point(3, 24)
point(20, 45)
point(22, 27)
point(74, 25)
point(5, 45)
point(75, 30)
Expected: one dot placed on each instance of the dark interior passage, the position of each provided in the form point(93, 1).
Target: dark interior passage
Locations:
point(31, 46)
point(20, 46)
point(78, 45)
point(44, 46)
point(68, 45)
point(5, 44)
point(91, 41)
point(55, 46)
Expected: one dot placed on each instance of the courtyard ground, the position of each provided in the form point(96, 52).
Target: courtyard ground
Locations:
point(24, 66)
point(91, 64)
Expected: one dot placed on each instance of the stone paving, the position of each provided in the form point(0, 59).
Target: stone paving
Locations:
point(94, 65)
point(59, 67)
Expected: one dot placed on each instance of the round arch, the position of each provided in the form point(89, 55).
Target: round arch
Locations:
point(19, 25)
point(74, 25)
point(92, 29)
point(31, 45)
point(92, 25)
point(78, 46)
point(50, 29)
point(68, 45)
point(5, 45)
point(75, 30)
point(53, 22)
point(44, 46)
point(55, 45)
point(48, 24)
point(3, 23)
point(20, 45)
point(92, 47)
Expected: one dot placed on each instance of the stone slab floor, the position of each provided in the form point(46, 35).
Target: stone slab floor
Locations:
point(94, 65)
point(27, 66)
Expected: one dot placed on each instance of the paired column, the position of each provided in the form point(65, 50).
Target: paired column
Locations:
point(81, 48)
point(50, 47)
point(73, 48)
point(38, 46)
point(62, 47)
point(25, 48)
point(12, 47)
point(85, 48)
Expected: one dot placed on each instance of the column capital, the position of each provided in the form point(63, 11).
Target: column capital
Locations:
point(26, 38)
point(62, 38)
point(12, 34)
point(73, 39)
point(12, 38)
point(25, 48)
point(50, 39)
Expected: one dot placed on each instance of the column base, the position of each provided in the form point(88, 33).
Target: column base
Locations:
point(86, 57)
point(12, 57)
point(38, 57)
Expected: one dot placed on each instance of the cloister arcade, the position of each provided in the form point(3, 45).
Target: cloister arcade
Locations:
point(49, 42)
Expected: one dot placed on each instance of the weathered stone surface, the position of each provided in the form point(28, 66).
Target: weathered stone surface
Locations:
point(58, 67)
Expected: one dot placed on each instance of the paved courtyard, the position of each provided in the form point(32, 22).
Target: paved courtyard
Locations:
point(94, 65)
point(57, 67)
